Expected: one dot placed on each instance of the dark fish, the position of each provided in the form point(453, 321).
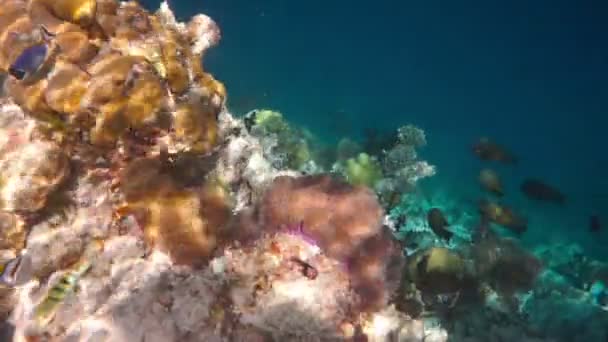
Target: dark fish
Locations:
point(487, 150)
point(29, 61)
point(34, 60)
point(538, 190)
point(490, 182)
point(594, 224)
point(438, 223)
point(16, 271)
point(7, 331)
point(502, 215)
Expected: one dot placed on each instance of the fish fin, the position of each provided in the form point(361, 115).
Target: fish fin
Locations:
point(17, 73)
point(46, 34)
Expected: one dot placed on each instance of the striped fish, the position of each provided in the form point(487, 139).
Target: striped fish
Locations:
point(46, 309)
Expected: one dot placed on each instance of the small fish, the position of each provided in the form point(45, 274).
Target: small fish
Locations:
point(438, 223)
point(594, 224)
point(29, 61)
point(538, 190)
point(45, 310)
point(16, 271)
point(503, 216)
point(490, 181)
point(491, 151)
point(35, 61)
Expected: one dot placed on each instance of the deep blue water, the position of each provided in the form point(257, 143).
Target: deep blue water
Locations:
point(532, 75)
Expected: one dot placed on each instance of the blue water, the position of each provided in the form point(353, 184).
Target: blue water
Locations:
point(532, 75)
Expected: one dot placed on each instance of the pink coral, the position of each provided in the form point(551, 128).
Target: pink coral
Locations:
point(344, 221)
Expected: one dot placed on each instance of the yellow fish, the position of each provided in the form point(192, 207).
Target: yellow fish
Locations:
point(46, 309)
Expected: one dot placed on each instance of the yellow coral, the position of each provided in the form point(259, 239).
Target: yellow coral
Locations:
point(81, 12)
point(437, 270)
point(363, 170)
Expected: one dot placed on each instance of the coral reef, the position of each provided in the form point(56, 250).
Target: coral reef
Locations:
point(363, 170)
point(401, 166)
point(344, 221)
point(182, 221)
point(284, 145)
point(147, 212)
point(112, 68)
point(150, 213)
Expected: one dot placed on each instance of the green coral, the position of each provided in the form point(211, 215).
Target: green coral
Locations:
point(289, 145)
point(363, 170)
point(271, 121)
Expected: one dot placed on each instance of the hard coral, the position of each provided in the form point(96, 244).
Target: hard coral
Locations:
point(110, 68)
point(437, 271)
point(271, 288)
point(505, 265)
point(29, 174)
point(344, 221)
point(284, 145)
point(12, 231)
point(363, 170)
point(183, 222)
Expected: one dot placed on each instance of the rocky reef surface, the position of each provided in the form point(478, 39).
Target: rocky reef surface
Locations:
point(135, 207)
point(140, 209)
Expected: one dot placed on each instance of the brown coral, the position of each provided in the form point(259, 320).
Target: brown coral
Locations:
point(345, 221)
point(336, 215)
point(65, 88)
point(110, 68)
point(184, 223)
point(508, 267)
point(12, 231)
